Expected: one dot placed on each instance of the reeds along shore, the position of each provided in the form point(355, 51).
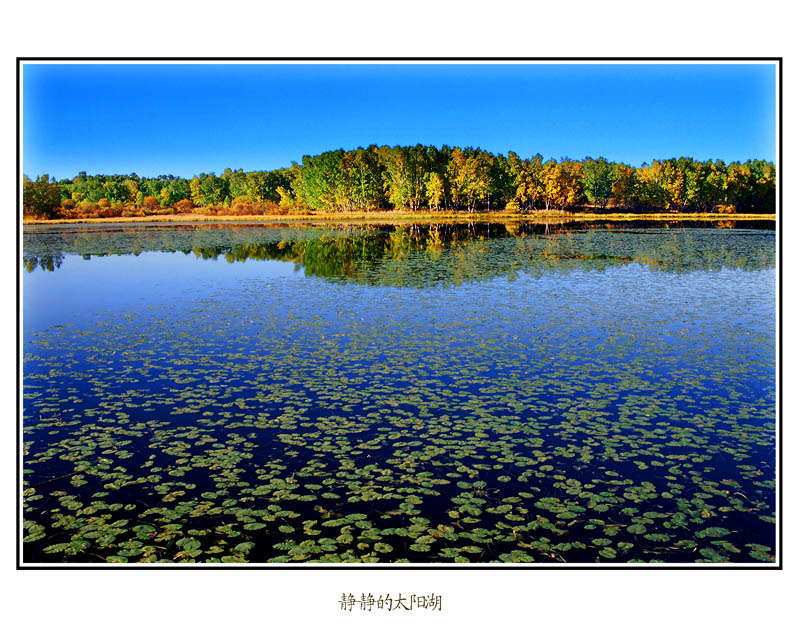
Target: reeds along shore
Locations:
point(552, 216)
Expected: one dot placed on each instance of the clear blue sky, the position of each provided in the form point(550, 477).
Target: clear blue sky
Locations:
point(156, 119)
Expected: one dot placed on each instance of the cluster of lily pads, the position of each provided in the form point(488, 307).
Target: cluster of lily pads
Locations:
point(624, 413)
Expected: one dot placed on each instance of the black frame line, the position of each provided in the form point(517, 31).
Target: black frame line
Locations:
point(411, 567)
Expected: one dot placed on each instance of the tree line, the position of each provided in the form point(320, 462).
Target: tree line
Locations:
point(420, 177)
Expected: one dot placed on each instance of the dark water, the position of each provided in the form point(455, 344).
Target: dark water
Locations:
point(422, 393)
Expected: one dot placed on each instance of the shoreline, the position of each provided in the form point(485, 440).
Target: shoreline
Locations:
point(388, 217)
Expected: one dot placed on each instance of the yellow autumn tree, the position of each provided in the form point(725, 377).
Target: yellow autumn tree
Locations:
point(434, 190)
point(561, 183)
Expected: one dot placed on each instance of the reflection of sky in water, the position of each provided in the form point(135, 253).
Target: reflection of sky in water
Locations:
point(725, 311)
point(724, 300)
point(80, 288)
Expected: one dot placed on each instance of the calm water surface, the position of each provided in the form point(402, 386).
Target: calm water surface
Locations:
point(423, 393)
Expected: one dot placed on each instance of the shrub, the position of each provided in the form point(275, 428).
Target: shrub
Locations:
point(87, 207)
point(184, 206)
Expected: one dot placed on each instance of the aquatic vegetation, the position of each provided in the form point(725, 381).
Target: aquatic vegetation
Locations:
point(427, 396)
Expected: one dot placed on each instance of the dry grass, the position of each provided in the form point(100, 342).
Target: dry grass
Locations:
point(375, 217)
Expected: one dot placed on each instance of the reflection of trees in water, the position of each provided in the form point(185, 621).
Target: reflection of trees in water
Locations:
point(419, 255)
point(44, 262)
point(401, 254)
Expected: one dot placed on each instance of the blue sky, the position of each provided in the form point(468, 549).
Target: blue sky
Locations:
point(156, 119)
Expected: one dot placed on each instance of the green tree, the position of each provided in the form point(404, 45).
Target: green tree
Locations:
point(40, 198)
point(760, 187)
point(404, 175)
point(364, 182)
point(598, 181)
point(116, 191)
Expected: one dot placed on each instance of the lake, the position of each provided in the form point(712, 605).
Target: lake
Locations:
point(431, 393)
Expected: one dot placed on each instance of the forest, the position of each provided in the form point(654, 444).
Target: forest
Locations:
point(414, 178)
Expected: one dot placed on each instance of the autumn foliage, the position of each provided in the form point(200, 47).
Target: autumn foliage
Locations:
point(419, 177)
